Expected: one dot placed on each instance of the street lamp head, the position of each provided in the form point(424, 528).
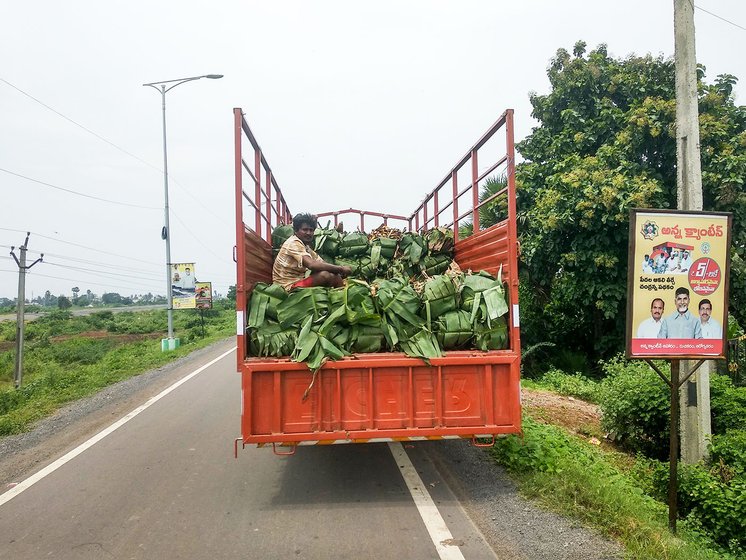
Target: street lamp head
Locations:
point(214, 76)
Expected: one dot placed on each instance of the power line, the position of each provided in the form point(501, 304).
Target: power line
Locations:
point(102, 272)
point(85, 283)
point(84, 247)
point(720, 17)
point(78, 193)
point(56, 112)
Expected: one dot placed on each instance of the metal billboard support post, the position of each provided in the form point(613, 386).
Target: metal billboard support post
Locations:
point(674, 384)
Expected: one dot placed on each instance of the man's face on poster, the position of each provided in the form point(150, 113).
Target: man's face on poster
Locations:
point(656, 309)
point(682, 303)
point(705, 310)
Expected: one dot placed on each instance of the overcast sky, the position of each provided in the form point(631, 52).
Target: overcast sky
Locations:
point(355, 104)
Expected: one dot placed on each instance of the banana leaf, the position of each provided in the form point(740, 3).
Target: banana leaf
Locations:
point(356, 299)
point(326, 241)
point(453, 330)
point(440, 241)
point(302, 303)
point(272, 340)
point(398, 305)
point(373, 266)
point(352, 244)
point(492, 337)
point(365, 338)
point(432, 265)
point(352, 262)
point(422, 344)
point(387, 246)
point(483, 297)
point(281, 234)
point(412, 247)
point(264, 301)
point(439, 296)
point(315, 343)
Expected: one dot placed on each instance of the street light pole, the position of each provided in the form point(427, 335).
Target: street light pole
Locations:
point(170, 343)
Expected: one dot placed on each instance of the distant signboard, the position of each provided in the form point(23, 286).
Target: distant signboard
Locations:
point(678, 284)
point(183, 285)
point(203, 295)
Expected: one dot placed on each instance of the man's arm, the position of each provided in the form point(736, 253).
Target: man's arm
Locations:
point(317, 265)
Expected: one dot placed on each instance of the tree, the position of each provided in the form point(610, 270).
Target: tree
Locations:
point(605, 144)
point(231, 295)
point(111, 297)
point(63, 302)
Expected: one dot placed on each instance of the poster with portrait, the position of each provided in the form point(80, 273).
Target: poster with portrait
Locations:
point(203, 295)
point(183, 285)
point(677, 298)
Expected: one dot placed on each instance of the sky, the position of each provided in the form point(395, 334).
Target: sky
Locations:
point(355, 104)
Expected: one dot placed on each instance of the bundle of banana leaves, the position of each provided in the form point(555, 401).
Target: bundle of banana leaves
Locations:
point(493, 336)
point(326, 241)
point(301, 304)
point(281, 234)
point(272, 340)
point(439, 297)
point(412, 247)
point(353, 244)
point(454, 330)
point(440, 240)
point(264, 301)
point(432, 265)
point(483, 297)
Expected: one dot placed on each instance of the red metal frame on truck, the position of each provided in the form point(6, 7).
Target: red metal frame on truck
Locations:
point(381, 396)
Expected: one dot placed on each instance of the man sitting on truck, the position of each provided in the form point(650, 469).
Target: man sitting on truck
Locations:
point(296, 257)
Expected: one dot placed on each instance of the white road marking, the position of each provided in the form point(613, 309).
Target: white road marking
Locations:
point(49, 469)
point(436, 526)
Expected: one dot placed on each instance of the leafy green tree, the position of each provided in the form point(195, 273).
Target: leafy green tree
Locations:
point(63, 302)
point(231, 295)
point(606, 143)
point(111, 297)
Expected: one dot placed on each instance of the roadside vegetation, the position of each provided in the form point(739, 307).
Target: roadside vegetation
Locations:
point(67, 357)
point(615, 477)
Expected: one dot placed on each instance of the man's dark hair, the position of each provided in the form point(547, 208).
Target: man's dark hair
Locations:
point(682, 290)
point(657, 299)
point(300, 219)
point(703, 302)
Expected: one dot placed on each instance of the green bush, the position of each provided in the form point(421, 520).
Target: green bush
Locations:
point(728, 405)
point(730, 450)
point(574, 385)
point(704, 498)
point(635, 403)
point(81, 350)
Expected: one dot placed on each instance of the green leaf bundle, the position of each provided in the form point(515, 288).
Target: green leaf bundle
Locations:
point(353, 244)
point(440, 241)
point(483, 297)
point(303, 303)
point(398, 305)
point(281, 234)
point(439, 296)
point(265, 298)
point(326, 241)
point(272, 340)
point(412, 247)
point(453, 330)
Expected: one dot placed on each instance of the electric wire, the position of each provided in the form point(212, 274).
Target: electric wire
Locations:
point(719, 17)
point(78, 193)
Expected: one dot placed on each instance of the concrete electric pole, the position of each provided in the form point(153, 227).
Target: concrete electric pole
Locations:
point(22, 268)
point(694, 397)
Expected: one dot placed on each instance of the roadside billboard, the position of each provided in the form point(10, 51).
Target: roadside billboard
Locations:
point(183, 285)
point(203, 295)
point(677, 296)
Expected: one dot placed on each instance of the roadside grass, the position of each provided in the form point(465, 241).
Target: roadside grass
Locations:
point(62, 364)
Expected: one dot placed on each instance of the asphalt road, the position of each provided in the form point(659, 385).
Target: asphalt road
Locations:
point(165, 485)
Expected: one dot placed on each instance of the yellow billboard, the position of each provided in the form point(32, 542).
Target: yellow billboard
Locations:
point(677, 284)
point(183, 285)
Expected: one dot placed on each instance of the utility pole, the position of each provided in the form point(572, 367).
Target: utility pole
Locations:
point(694, 397)
point(20, 305)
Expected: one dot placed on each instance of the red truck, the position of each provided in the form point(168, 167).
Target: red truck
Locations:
point(382, 396)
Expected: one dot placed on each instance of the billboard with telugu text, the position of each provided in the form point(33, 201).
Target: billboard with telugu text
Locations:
point(183, 285)
point(678, 266)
